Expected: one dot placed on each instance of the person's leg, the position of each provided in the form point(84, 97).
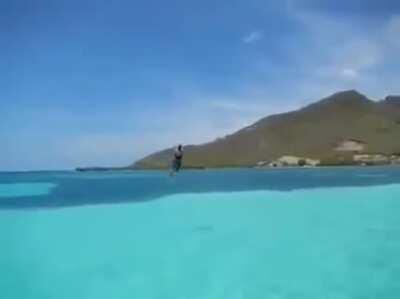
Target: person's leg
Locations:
point(178, 165)
point(173, 167)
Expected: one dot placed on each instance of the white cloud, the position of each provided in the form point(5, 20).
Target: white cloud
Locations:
point(234, 105)
point(362, 53)
point(349, 73)
point(256, 107)
point(346, 53)
point(253, 37)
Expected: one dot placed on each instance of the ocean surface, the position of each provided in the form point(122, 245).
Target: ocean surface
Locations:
point(279, 233)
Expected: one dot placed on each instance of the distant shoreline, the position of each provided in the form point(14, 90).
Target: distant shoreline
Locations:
point(128, 169)
point(120, 169)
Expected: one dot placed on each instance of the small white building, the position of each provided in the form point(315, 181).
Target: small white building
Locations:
point(290, 160)
point(296, 161)
point(371, 159)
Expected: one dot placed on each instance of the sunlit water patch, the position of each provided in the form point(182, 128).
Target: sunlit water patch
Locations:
point(25, 189)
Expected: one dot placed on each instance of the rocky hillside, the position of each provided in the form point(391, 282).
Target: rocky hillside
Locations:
point(332, 130)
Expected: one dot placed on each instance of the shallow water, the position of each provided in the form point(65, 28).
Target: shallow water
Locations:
point(263, 234)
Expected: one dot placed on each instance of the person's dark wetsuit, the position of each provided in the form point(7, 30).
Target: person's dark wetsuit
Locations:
point(177, 161)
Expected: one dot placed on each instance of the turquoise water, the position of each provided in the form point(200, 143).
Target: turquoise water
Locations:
point(286, 240)
point(25, 189)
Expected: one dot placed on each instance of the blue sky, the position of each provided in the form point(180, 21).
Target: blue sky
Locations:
point(106, 82)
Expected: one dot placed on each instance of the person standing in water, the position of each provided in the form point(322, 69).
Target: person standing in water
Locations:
point(177, 160)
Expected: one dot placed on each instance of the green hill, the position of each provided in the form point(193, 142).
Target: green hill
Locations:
point(315, 131)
